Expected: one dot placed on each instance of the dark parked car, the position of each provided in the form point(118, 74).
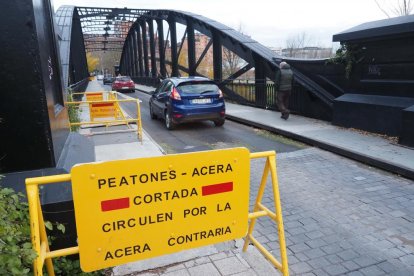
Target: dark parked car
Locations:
point(180, 100)
point(123, 84)
point(108, 79)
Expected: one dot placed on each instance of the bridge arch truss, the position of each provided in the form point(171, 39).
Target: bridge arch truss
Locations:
point(142, 37)
point(144, 52)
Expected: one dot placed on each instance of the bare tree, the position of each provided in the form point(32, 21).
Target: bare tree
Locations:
point(302, 45)
point(231, 61)
point(294, 44)
point(395, 7)
point(291, 46)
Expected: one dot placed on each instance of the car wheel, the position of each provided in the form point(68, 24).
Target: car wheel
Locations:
point(219, 123)
point(153, 116)
point(168, 121)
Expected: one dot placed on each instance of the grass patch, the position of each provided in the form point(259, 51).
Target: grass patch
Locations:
point(279, 138)
point(73, 113)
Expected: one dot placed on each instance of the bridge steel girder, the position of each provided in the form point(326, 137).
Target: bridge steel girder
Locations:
point(128, 57)
point(122, 61)
point(161, 50)
point(222, 36)
point(132, 48)
point(139, 42)
point(145, 47)
point(246, 48)
point(125, 62)
point(152, 48)
point(217, 57)
point(134, 51)
point(131, 56)
point(174, 54)
point(191, 48)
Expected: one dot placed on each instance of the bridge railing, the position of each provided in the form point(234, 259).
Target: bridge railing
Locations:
point(261, 95)
point(257, 93)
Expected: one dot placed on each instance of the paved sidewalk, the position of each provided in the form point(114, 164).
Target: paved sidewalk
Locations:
point(366, 147)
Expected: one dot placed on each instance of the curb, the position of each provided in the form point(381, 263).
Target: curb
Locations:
point(388, 166)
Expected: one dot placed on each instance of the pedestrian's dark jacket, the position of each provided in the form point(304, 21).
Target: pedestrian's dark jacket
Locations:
point(284, 79)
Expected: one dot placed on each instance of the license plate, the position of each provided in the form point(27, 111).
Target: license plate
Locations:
point(125, 87)
point(201, 101)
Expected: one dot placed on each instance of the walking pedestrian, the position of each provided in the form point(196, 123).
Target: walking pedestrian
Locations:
point(284, 80)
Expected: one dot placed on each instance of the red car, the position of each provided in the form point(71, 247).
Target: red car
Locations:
point(123, 84)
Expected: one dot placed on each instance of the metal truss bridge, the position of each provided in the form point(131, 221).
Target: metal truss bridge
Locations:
point(151, 50)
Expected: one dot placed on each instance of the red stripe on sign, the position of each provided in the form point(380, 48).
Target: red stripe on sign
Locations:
point(115, 204)
point(102, 104)
point(217, 188)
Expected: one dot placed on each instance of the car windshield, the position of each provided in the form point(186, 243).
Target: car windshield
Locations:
point(123, 78)
point(197, 87)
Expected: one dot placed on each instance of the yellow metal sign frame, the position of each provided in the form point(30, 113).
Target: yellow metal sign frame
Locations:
point(45, 256)
point(94, 96)
point(129, 210)
point(261, 210)
point(118, 115)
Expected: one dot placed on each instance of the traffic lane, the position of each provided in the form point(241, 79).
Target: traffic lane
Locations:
point(205, 136)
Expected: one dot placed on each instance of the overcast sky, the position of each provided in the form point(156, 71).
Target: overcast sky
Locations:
point(270, 22)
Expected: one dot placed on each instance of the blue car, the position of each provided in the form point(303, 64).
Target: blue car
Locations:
point(180, 100)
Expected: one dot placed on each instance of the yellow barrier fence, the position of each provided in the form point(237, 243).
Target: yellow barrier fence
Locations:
point(105, 105)
point(45, 256)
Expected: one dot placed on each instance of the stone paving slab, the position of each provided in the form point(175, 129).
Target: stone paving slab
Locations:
point(341, 217)
point(221, 260)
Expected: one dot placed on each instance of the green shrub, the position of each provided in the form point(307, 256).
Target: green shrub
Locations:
point(348, 55)
point(73, 112)
point(16, 253)
point(67, 267)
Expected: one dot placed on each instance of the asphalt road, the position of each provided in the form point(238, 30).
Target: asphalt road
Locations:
point(205, 136)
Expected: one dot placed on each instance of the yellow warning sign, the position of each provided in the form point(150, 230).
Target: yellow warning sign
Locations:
point(102, 110)
point(95, 96)
point(135, 209)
